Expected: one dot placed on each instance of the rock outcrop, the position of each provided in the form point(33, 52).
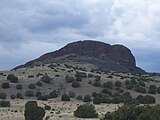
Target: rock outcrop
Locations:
point(109, 57)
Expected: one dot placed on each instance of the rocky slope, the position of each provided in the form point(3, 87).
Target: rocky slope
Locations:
point(105, 56)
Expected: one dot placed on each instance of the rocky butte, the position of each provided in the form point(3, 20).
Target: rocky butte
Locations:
point(116, 58)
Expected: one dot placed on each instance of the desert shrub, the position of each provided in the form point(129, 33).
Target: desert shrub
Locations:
point(69, 79)
point(79, 79)
point(19, 86)
point(118, 84)
point(117, 100)
point(108, 84)
point(106, 91)
point(12, 78)
point(29, 93)
point(140, 89)
point(39, 83)
point(31, 86)
point(47, 107)
point(87, 98)
point(65, 97)
point(146, 99)
point(152, 89)
point(19, 95)
point(46, 79)
point(38, 94)
point(33, 112)
point(5, 85)
point(141, 83)
point(94, 94)
point(71, 94)
point(13, 97)
point(81, 74)
point(53, 94)
point(79, 97)
point(90, 75)
point(133, 81)
point(75, 84)
point(129, 85)
point(3, 96)
point(86, 111)
point(5, 104)
point(134, 112)
point(97, 100)
point(43, 97)
point(158, 90)
point(106, 99)
point(97, 84)
point(57, 75)
point(31, 76)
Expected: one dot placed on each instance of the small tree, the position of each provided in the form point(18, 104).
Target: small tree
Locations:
point(79, 97)
point(75, 84)
point(29, 93)
point(46, 79)
point(31, 86)
point(152, 89)
point(33, 112)
point(72, 94)
point(5, 85)
point(12, 78)
point(39, 83)
point(86, 111)
point(97, 100)
point(65, 97)
point(5, 104)
point(118, 84)
point(108, 84)
point(69, 79)
point(3, 96)
point(87, 98)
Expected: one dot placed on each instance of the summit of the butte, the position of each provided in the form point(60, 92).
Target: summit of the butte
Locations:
point(102, 56)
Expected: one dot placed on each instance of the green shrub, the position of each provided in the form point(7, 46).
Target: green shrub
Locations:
point(31, 76)
point(65, 97)
point(158, 90)
point(71, 94)
point(43, 97)
point(141, 83)
point(33, 112)
point(108, 84)
point(106, 99)
point(118, 84)
point(31, 86)
point(5, 85)
point(29, 93)
point(19, 95)
point(79, 97)
point(140, 89)
point(97, 84)
point(13, 97)
point(97, 78)
point(86, 111)
point(39, 83)
point(3, 96)
point(79, 79)
point(5, 104)
point(69, 79)
point(12, 78)
point(106, 91)
point(152, 89)
point(38, 94)
point(97, 100)
point(53, 94)
point(87, 98)
point(46, 79)
point(146, 99)
point(75, 84)
point(19, 86)
point(90, 75)
point(81, 74)
point(47, 107)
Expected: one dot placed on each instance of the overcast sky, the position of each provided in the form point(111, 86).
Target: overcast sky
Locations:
point(29, 28)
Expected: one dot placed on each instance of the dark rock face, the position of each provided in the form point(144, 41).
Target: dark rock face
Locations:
point(113, 57)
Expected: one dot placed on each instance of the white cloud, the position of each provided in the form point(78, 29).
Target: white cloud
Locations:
point(134, 23)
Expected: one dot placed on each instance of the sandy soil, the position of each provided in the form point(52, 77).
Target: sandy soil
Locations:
point(60, 110)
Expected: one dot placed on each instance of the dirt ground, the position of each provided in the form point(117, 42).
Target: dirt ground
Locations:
point(60, 110)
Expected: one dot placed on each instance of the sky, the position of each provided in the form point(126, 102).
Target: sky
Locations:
point(30, 28)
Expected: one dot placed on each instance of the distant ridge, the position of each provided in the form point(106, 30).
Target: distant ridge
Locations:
point(116, 58)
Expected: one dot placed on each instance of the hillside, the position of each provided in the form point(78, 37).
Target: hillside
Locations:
point(101, 55)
